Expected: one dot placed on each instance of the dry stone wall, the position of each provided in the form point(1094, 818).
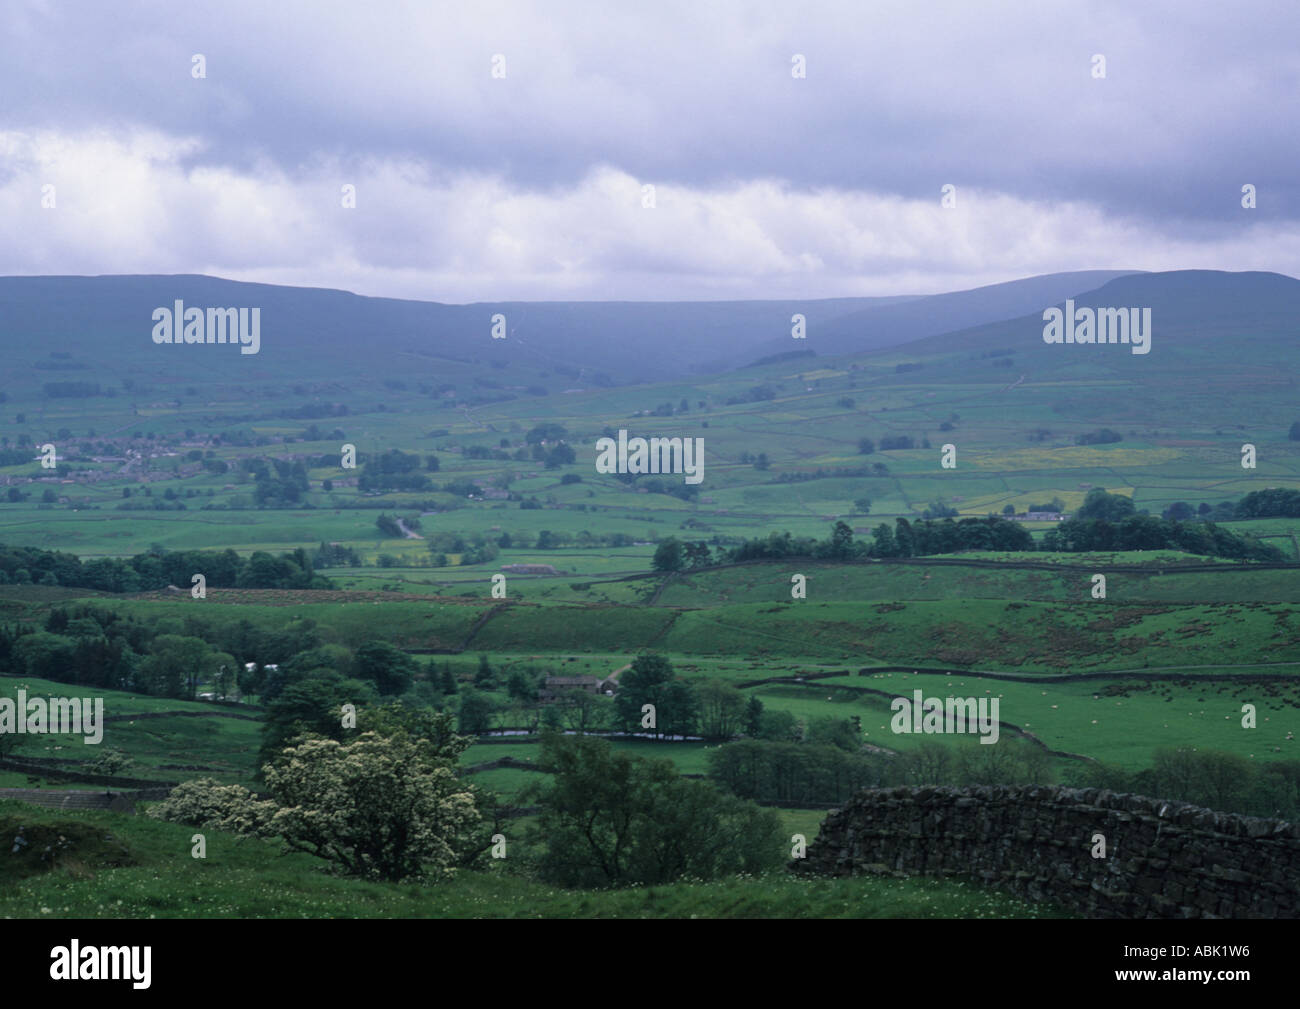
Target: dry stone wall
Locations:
point(1163, 859)
point(54, 798)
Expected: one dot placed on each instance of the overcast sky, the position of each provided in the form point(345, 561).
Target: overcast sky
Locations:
point(471, 187)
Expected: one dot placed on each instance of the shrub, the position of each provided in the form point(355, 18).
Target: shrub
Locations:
point(377, 807)
point(611, 818)
point(205, 802)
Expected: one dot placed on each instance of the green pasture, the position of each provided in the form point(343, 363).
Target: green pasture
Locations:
point(1117, 721)
point(120, 866)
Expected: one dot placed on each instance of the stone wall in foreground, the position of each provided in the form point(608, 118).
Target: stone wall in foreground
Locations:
point(1163, 859)
point(58, 798)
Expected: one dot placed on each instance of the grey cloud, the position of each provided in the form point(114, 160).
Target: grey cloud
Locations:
point(900, 98)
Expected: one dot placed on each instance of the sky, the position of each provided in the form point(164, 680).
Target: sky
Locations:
point(502, 151)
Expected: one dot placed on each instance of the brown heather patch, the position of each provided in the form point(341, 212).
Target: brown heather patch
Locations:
point(1196, 629)
point(957, 647)
point(1128, 616)
point(1132, 644)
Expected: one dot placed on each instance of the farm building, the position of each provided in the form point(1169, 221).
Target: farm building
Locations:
point(1039, 517)
point(557, 685)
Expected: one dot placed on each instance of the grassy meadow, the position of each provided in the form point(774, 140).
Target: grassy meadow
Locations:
point(1166, 659)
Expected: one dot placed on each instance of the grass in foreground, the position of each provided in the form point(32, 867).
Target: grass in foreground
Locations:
point(118, 866)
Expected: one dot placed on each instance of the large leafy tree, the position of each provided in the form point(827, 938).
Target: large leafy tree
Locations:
point(310, 706)
point(651, 680)
point(696, 555)
point(176, 663)
point(841, 545)
point(42, 654)
point(390, 669)
point(581, 710)
point(381, 807)
point(476, 711)
point(609, 818)
point(1099, 504)
point(383, 802)
point(669, 555)
point(722, 710)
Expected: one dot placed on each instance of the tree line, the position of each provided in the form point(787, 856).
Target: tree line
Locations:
point(784, 771)
point(769, 770)
point(159, 568)
point(1104, 527)
point(94, 646)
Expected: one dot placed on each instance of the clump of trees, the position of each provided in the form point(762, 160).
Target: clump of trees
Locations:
point(1275, 502)
point(610, 819)
point(651, 680)
point(1215, 779)
point(825, 762)
point(394, 470)
point(1102, 436)
point(477, 549)
point(335, 555)
point(277, 483)
point(906, 539)
point(161, 567)
point(386, 804)
point(1146, 532)
point(673, 554)
point(130, 658)
point(1106, 522)
point(772, 771)
point(94, 646)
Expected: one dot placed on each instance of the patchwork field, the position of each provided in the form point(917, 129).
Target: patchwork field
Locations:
point(477, 538)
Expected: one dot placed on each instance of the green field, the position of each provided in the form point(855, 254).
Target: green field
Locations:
point(1171, 653)
point(117, 866)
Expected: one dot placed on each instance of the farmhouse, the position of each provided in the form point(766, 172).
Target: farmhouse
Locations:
point(556, 686)
point(529, 569)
